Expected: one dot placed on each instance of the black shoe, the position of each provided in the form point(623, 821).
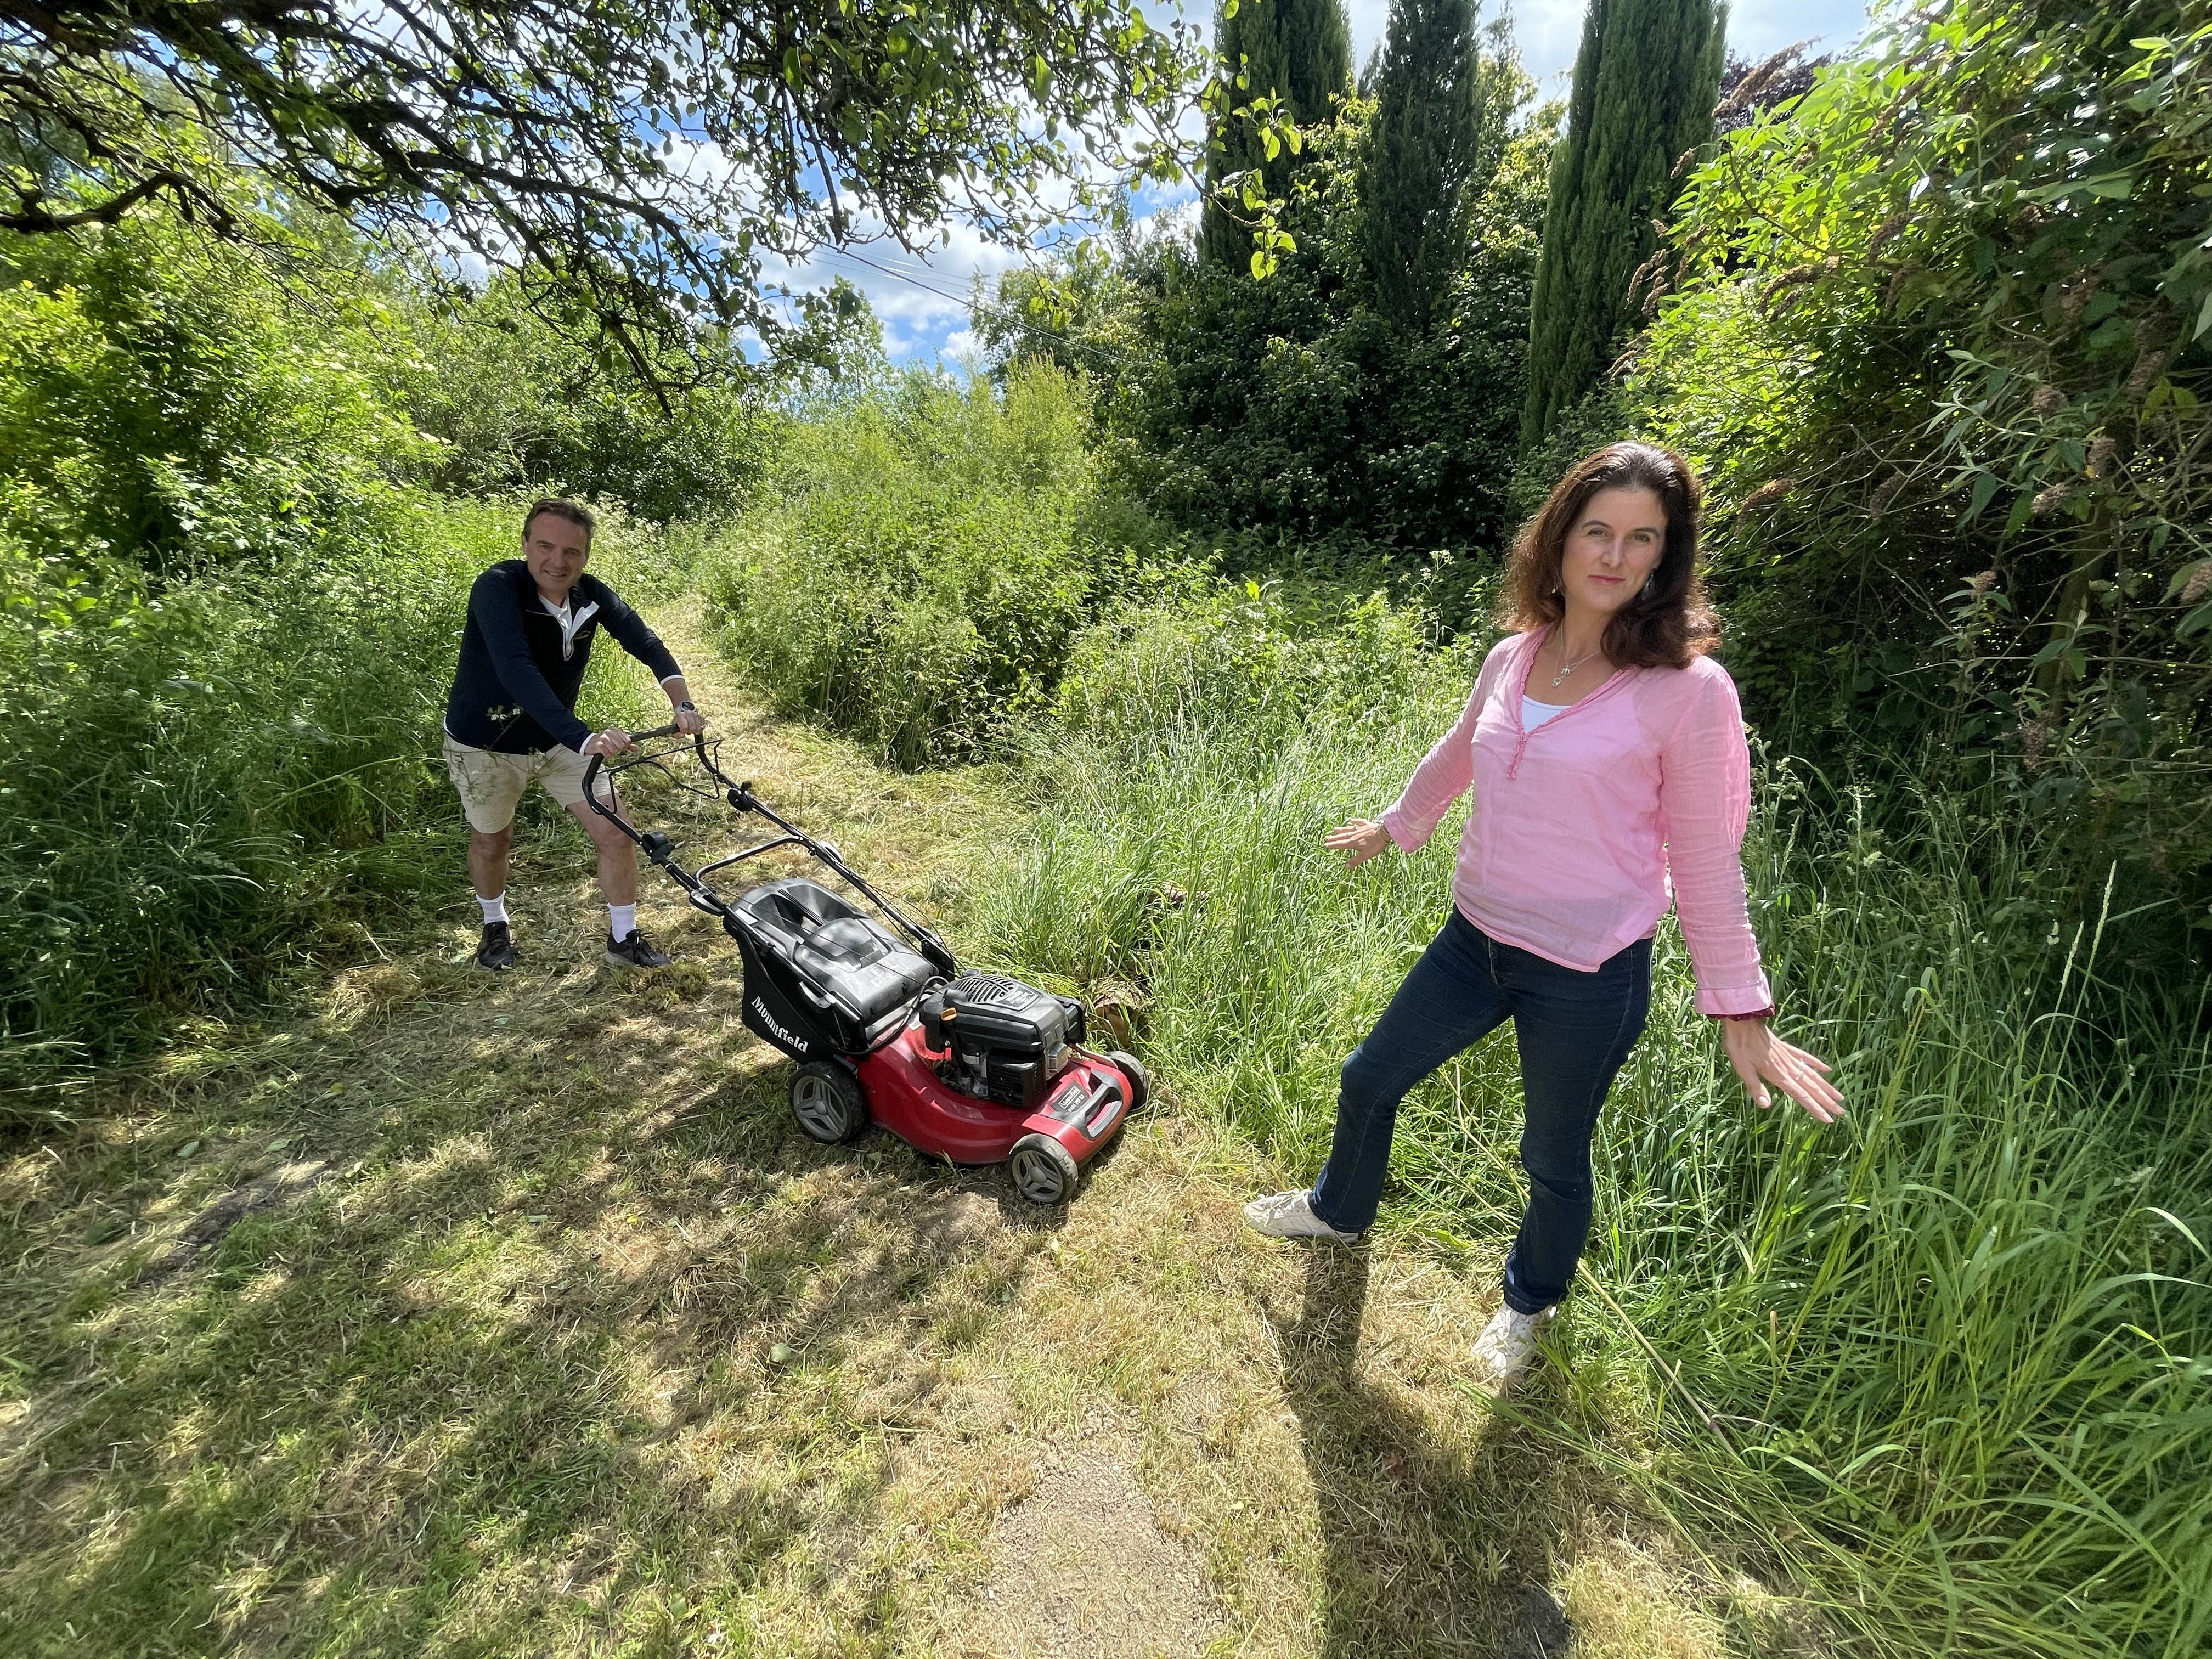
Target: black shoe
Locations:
point(495, 953)
point(634, 952)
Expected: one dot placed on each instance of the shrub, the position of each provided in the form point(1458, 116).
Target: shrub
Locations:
point(175, 406)
point(920, 563)
point(1938, 335)
point(521, 407)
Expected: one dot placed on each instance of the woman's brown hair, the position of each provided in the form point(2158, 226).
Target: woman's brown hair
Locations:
point(1670, 621)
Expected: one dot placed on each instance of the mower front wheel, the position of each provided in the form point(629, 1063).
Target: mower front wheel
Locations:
point(1042, 1169)
point(1140, 1080)
point(827, 1103)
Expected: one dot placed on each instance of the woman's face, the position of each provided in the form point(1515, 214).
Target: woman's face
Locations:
point(1612, 548)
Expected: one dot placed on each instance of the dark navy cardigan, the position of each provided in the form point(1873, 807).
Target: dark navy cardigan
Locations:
point(514, 691)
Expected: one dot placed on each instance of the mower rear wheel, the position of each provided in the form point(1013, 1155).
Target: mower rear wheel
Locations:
point(1140, 1080)
point(827, 1103)
point(1042, 1169)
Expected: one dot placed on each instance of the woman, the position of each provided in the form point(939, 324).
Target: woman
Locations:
point(1607, 753)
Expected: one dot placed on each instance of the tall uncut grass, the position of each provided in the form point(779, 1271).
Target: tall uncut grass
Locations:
point(1945, 1363)
point(219, 778)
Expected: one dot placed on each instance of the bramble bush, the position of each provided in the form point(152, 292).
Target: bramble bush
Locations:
point(1937, 333)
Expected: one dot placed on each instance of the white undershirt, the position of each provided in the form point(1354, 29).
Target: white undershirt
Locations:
point(1535, 713)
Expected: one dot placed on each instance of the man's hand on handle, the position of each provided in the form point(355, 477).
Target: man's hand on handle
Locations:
point(686, 717)
point(1358, 841)
point(612, 741)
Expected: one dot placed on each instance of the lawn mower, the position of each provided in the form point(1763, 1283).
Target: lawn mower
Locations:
point(976, 1068)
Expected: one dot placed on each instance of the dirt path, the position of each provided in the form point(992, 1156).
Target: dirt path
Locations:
point(511, 1315)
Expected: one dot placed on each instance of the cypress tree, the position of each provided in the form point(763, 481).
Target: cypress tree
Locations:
point(1646, 82)
point(1437, 136)
point(1299, 51)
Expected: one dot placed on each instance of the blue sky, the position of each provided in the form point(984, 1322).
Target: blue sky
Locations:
point(922, 325)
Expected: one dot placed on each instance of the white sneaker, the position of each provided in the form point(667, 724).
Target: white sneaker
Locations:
point(1507, 1347)
point(1290, 1215)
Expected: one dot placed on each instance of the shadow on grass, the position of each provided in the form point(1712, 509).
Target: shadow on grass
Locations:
point(587, 1348)
point(1430, 1541)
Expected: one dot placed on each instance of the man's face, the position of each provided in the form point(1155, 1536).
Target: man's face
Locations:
point(556, 550)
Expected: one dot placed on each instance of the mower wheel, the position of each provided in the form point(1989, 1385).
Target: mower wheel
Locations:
point(827, 1103)
point(1044, 1170)
point(1140, 1080)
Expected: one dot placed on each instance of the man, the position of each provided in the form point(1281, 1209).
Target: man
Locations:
point(511, 718)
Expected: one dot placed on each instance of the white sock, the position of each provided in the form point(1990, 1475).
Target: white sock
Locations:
point(494, 909)
point(621, 920)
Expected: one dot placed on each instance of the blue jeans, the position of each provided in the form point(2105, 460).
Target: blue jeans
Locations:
point(1575, 1031)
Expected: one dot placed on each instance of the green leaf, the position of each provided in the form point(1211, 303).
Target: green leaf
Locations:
point(2052, 650)
point(2182, 578)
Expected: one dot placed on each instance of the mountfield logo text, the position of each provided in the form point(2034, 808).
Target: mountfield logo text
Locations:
point(781, 1036)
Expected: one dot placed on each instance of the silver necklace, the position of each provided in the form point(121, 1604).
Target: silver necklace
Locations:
point(1566, 668)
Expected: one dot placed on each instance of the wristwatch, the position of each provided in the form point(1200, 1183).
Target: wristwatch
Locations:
point(687, 707)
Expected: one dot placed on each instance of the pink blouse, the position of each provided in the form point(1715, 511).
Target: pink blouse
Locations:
point(1577, 826)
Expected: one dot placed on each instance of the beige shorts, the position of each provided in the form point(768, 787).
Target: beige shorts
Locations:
point(491, 783)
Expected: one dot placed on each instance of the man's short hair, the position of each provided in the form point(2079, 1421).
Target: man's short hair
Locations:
point(574, 511)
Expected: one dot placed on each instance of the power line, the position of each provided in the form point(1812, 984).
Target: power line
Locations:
point(1005, 315)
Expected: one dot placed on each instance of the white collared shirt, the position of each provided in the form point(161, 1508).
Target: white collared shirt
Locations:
point(570, 619)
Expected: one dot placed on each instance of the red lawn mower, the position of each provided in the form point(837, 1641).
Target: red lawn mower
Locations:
point(973, 1067)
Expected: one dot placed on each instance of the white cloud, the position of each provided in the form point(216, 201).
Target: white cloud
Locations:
point(920, 299)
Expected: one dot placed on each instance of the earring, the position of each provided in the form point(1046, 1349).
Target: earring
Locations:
point(1649, 582)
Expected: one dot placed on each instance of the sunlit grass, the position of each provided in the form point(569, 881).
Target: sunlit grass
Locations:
point(1953, 1353)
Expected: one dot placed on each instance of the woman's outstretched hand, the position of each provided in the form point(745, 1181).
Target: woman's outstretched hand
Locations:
point(1358, 841)
point(1760, 1058)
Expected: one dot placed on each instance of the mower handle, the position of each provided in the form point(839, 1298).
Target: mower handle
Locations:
point(661, 849)
point(599, 762)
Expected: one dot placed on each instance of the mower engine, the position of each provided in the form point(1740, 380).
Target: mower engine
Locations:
point(1006, 1041)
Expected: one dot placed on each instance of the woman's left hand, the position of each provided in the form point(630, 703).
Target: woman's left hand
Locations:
point(1760, 1058)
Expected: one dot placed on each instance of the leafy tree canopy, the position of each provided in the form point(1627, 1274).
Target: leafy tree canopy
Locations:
point(1289, 418)
point(1290, 60)
point(647, 156)
point(1439, 130)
